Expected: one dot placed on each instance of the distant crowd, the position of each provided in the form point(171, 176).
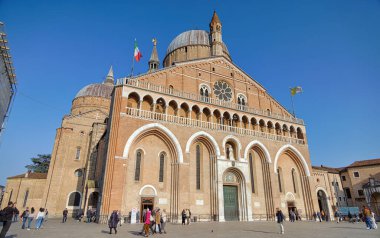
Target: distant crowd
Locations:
point(154, 221)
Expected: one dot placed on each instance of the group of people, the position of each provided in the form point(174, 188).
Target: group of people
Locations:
point(11, 213)
point(320, 216)
point(294, 215)
point(186, 216)
point(154, 220)
point(28, 216)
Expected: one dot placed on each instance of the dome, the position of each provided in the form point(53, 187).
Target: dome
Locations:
point(96, 90)
point(192, 37)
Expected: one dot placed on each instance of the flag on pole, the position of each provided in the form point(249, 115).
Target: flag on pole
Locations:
point(137, 54)
point(295, 90)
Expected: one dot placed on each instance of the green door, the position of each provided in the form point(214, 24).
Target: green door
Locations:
point(231, 206)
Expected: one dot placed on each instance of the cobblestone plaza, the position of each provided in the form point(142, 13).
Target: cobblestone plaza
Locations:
point(53, 228)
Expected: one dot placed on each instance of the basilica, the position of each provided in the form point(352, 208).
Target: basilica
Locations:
point(196, 133)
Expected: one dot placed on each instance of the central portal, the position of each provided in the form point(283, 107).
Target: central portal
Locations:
point(146, 202)
point(231, 203)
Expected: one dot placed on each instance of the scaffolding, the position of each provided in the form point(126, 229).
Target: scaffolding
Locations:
point(7, 80)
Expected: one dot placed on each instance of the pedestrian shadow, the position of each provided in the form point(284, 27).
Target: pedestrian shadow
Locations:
point(344, 227)
point(11, 236)
point(107, 232)
point(136, 233)
point(265, 232)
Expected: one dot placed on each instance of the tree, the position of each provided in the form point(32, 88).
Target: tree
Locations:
point(40, 164)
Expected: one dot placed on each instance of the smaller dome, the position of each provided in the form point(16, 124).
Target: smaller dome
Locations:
point(96, 90)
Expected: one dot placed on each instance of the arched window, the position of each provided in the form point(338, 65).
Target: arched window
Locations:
point(204, 92)
point(77, 154)
point(198, 166)
point(74, 199)
point(171, 89)
point(279, 179)
point(25, 198)
point(294, 180)
point(242, 101)
point(251, 169)
point(162, 164)
point(138, 165)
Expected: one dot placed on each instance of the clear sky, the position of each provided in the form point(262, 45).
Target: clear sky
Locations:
point(330, 48)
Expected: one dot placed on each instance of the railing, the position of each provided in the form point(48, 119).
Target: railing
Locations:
point(169, 91)
point(148, 115)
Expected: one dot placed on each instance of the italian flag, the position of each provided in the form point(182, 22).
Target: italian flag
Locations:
point(137, 54)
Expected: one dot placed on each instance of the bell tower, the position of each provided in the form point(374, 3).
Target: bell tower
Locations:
point(153, 61)
point(216, 35)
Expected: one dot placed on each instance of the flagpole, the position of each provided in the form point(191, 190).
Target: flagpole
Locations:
point(133, 59)
point(133, 65)
point(291, 98)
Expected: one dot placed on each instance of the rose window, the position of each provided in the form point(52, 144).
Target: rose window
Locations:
point(222, 91)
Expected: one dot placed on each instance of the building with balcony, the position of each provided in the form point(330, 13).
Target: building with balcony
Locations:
point(200, 133)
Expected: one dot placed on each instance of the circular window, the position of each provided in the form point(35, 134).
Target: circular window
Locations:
point(78, 173)
point(223, 91)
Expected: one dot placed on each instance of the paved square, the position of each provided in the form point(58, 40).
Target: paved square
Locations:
point(54, 229)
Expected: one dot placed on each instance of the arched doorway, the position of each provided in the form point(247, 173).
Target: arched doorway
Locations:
point(291, 203)
point(234, 195)
point(323, 203)
point(147, 195)
point(93, 200)
point(375, 204)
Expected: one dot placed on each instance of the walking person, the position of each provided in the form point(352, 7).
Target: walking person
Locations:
point(88, 215)
point(183, 217)
point(113, 221)
point(31, 216)
point(24, 216)
point(336, 215)
point(315, 216)
point(147, 222)
point(373, 221)
point(319, 216)
point(6, 218)
point(188, 216)
point(367, 217)
point(153, 221)
point(163, 220)
point(64, 215)
point(138, 217)
point(292, 216)
point(158, 221)
point(40, 218)
point(323, 215)
point(280, 220)
point(119, 215)
point(16, 213)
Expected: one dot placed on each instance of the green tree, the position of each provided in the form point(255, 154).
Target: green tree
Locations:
point(40, 164)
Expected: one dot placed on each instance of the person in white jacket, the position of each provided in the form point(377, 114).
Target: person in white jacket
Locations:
point(40, 218)
point(374, 225)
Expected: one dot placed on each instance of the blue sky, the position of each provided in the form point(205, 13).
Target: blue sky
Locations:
point(330, 48)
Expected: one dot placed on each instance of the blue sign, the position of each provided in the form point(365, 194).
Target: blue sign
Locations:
point(345, 210)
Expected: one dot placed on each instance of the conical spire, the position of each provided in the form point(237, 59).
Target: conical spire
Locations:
point(109, 78)
point(215, 18)
point(154, 62)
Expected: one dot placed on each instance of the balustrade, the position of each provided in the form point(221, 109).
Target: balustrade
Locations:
point(184, 121)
